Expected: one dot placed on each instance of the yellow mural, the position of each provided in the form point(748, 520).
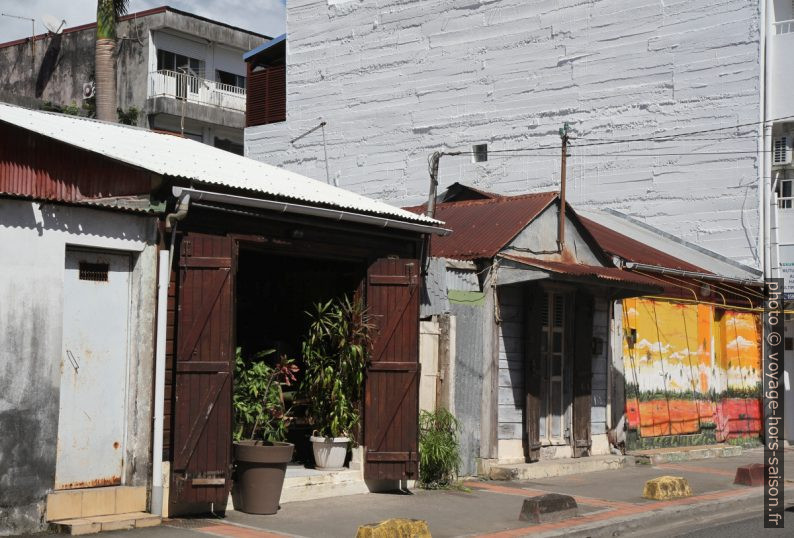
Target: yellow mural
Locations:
point(687, 365)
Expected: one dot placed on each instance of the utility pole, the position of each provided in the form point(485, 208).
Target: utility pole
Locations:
point(561, 224)
point(433, 169)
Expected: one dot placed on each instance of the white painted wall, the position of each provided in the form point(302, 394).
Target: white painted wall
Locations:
point(33, 241)
point(397, 80)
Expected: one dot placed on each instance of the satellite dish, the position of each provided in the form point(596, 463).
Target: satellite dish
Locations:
point(53, 24)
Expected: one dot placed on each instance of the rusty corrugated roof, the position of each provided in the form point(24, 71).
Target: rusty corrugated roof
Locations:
point(611, 274)
point(481, 228)
point(632, 250)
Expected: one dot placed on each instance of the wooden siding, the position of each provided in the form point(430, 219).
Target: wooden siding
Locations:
point(35, 166)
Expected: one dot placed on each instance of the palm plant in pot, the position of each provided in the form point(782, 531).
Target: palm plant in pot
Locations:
point(335, 354)
point(261, 419)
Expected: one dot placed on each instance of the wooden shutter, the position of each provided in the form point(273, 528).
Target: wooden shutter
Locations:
point(266, 95)
point(200, 478)
point(391, 406)
point(533, 373)
point(582, 373)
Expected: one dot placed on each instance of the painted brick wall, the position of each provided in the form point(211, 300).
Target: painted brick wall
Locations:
point(397, 79)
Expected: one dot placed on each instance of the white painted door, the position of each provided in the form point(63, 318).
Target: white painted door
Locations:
point(91, 425)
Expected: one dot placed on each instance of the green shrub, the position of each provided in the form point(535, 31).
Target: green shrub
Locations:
point(439, 450)
point(335, 352)
point(258, 397)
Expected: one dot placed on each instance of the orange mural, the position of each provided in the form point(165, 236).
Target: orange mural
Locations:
point(689, 366)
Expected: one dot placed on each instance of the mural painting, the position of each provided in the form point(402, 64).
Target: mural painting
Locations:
point(691, 368)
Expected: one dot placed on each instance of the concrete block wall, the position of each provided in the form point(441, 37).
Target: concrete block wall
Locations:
point(396, 80)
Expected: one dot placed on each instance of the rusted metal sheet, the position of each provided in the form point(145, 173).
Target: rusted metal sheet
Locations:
point(44, 169)
point(481, 228)
point(93, 371)
point(608, 274)
point(631, 250)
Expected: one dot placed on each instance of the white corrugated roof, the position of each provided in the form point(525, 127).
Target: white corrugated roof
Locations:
point(180, 157)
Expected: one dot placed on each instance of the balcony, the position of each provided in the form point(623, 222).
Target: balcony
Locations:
point(197, 90)
point(781, 70)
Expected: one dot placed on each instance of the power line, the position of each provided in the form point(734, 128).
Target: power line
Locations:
point(625, 154)
point(655, 138)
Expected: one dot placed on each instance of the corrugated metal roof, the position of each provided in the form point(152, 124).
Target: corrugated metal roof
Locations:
point(481, 228)
point(264, 46)
point(179, 157)
point(634, 251)
point(611, 274)
point(642, 243)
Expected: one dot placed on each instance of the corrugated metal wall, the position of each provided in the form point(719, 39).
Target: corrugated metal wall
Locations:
point(37, 167)
point(468, 380)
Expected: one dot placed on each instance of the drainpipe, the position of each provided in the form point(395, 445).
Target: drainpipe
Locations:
point(163, 278)
point(765, 168)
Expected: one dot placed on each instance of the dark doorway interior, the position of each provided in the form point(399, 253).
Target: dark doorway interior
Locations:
point(273, 295)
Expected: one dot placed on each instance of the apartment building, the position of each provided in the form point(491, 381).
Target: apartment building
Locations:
point(182, 73)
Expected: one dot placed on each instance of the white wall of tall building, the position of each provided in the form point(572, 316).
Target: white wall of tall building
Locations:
point(396, 80)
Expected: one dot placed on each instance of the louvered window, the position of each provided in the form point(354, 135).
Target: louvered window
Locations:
point(781, 151)
point(266, 95)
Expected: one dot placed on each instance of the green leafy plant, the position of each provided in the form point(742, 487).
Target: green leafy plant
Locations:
point(258, 400)
point(335, 352)
point(439, 450)
point(130, 117)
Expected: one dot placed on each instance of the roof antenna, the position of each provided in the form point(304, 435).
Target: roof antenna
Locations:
point(32, 36)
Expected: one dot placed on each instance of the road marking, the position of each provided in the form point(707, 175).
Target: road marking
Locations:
point(237, 531)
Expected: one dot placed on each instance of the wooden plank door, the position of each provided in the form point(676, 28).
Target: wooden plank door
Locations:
point(201, 476)
point(391, 403)
point(534, 372)
point(582, 373)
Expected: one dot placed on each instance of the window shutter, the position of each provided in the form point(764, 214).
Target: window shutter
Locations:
point(266, 96)
point(781, 151)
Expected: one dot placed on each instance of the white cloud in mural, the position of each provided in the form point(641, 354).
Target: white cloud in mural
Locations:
point(653, 346)
point(741, 343)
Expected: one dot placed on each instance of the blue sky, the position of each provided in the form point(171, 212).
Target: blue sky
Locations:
point(263, 16)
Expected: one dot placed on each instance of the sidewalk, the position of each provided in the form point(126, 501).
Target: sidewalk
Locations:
point(610, 501)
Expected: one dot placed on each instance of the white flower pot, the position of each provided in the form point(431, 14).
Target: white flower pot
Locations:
point(329, 452)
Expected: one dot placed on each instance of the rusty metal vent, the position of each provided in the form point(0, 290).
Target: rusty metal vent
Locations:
point(97, 272)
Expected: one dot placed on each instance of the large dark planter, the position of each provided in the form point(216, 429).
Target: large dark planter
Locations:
point(259, 475)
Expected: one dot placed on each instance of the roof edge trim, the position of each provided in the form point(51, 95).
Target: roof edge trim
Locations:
point(287, 207)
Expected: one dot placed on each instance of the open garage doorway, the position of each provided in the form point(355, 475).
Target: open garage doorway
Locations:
point(274, 295)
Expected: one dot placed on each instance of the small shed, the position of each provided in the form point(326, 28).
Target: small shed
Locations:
point(233, 251)
point(533, 314)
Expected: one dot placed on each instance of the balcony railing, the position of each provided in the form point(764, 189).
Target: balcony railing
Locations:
point(784, 27)
point(165, 83)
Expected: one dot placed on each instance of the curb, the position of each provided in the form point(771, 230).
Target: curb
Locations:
point(678, 456)
point(663, 516)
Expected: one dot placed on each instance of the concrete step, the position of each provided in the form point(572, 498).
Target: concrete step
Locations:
point(686, 453)
point(114, 522)
point(302, 484)
point(557, 467)
point(90, 502)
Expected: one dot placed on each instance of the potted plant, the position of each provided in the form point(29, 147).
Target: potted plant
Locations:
point(261, 420)
point(335, 354)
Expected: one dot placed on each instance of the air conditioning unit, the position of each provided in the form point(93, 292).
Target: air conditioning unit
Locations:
point(88, 90)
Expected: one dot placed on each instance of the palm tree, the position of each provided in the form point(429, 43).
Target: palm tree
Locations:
point(107, 15)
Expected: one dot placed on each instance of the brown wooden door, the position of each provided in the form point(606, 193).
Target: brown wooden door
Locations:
point(582, 373)
point(391, 404)
point(200, 478)
point(534, 372)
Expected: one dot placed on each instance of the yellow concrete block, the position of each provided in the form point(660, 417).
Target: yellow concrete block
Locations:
point(666, 487)
point(130, 499)
point(395, 528)
point(99, 501)
point(64, 505)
